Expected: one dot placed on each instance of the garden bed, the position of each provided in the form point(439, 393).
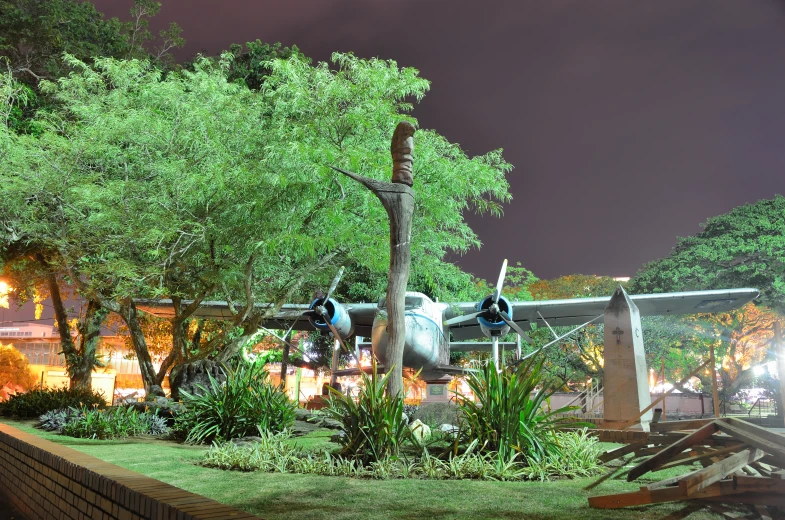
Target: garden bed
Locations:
point(287, 496)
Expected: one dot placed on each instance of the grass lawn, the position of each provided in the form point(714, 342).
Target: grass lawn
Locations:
point(275, 496)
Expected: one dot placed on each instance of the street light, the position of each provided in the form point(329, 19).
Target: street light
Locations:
point(4, 291)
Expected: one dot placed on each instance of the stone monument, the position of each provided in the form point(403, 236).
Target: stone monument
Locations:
point(625, 382)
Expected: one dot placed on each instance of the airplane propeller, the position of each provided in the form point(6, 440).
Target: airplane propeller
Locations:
point(322, 312)
point(494, 314)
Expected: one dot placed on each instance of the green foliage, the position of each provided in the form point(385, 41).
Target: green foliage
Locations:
point(14, 368)
point(577, 456)
point(279, 453)
point(186, 185)
point(247, 402)
point(742, 248)
point(270, 452)
point(103, 424)
point(55, 420)
point(37, 402)
point(372, 421)
point(250, 66)
point(509, 414)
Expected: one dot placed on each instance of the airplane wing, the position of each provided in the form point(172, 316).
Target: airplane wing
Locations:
point(362, 314)
point(580, 310)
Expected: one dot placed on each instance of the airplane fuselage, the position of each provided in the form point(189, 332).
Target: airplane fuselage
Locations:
point(425, 346)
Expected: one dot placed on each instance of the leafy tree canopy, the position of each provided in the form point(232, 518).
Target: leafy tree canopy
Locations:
point(743, 248)
point(188, 185)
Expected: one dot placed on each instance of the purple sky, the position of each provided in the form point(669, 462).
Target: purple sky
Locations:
point(628, 123)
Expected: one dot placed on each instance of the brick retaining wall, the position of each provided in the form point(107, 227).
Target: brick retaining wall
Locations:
point(46, 480)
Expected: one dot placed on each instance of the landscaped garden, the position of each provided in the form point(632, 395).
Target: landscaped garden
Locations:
point(235, 442)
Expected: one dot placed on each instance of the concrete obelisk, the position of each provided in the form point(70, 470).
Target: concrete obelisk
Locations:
point(625, 383)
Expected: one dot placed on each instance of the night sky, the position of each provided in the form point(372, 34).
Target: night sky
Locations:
point(628, 123)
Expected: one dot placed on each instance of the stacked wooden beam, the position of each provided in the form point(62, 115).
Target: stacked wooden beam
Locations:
point(741, 464)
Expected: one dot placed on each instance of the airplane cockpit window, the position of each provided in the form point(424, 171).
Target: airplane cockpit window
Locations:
point(412, 303)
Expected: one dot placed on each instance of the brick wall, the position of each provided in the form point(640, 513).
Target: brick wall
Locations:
point(45, 480)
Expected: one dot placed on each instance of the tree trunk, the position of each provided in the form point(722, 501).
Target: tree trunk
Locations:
point(66, 341)
point(89, 333)
point(284, 363)
point(130, 315)
point(397, 197)
point(779, 351)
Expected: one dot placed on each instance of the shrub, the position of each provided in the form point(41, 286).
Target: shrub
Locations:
point(509, 415)
point(372, 423)
point(37, 402)
point(270, 453)
point(577, 456)
point(55, 420)
point(246, 403)
point(274, 453)
point(103, 424)
point(14, 369)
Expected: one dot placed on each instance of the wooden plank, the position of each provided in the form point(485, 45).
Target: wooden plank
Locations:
point(645, 452)
point(674, 449)
point(662, 396)
point(763, 469)
point(758, 485)
point(752, 435)
point(624, 450)
point(670, 426)
point(765, 499)
point(763, 513)
point(667, 482)
point(718, 471)
point(724, 511)
point(656, 496)
point(703, 456)
point(769, 435)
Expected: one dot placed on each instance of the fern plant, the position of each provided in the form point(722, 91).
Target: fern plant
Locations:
point(246, 403)
point(510, 414)
point(372, 422)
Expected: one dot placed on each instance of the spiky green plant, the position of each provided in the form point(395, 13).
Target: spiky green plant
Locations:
point(510, 414)
point(372, 422)
point(245, 403)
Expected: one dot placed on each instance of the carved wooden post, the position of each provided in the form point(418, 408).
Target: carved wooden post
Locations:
point(397, 197)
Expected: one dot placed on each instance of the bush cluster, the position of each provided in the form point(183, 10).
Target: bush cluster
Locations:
point(102, 424)
point(37, 402)
point(246, 403)
point(510, 412)
point(277, 454)
point(373, 424)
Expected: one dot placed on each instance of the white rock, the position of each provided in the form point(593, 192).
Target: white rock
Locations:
point(420, 431)
point(450, 429)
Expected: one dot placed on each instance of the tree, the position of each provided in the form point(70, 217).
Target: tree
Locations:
point(579, 357)
point(743, 248)
point(14, 369)
point(35, 34)
point(189, 186)
point(34, 37)
point(573, 286)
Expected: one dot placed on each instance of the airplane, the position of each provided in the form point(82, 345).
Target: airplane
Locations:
point(429, 324)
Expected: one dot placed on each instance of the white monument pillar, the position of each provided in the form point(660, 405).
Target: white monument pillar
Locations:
point(625, 383)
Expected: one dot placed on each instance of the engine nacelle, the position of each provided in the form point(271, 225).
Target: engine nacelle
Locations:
point(494, 326)
point(339, 318)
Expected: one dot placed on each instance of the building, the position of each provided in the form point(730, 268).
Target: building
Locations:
point(40, 344)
